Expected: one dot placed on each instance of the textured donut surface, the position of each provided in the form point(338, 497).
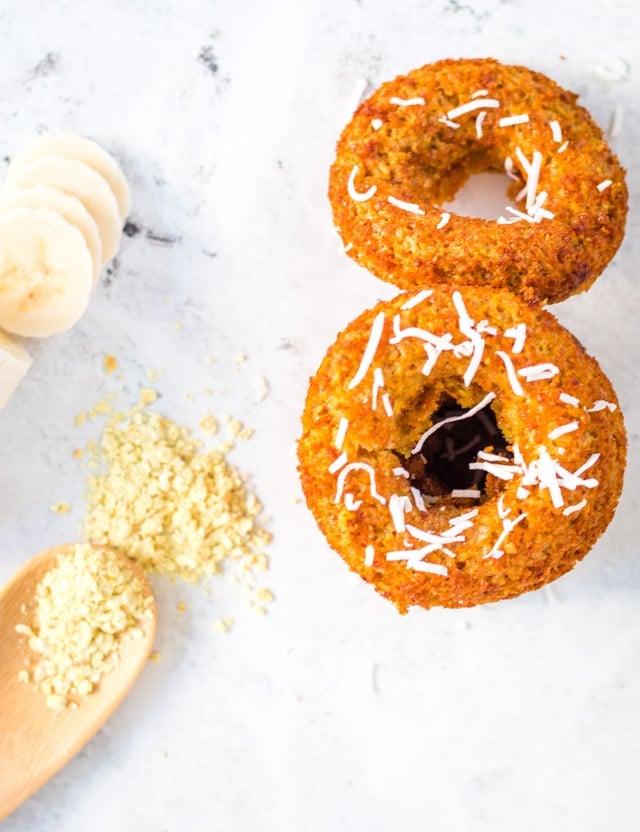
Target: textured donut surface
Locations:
point(412, 144)
point(549, 477)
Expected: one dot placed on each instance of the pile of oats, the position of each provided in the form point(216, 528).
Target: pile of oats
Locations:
point(171, 506)
point(84, 608)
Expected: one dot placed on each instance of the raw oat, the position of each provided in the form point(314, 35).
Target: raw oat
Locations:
point(170, 506)
point(84, 608)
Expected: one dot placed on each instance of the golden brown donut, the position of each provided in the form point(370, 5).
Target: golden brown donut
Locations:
point(411, 146)
point(460, 447)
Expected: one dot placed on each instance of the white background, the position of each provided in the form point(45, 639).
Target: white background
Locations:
point(333, 712)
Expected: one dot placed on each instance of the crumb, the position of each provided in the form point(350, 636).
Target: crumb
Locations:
point(148, 395)
point(209, 424)
point(265, 596)
point(78, 453)
point(100, 408)
point(246, 433)
point(179, 324)
point(210, 359)
point(110, 363)
point(241, 358)
point(154, 656)
point(60, 508)
point(181, 606)
point(81, 418)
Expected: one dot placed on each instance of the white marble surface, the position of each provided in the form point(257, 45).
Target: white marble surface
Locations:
point(332, 713)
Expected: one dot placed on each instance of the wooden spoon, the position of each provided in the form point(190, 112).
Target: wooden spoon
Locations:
point(36, 741)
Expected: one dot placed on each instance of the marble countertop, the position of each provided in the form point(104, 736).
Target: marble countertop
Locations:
point(332, 712)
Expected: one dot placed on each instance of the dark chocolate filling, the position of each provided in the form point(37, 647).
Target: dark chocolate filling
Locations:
point(442, 465)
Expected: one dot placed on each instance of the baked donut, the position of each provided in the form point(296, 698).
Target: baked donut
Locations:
point(460, 447)
point(411, 146)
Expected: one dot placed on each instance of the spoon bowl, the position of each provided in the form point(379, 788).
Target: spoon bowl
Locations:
point(35, 740)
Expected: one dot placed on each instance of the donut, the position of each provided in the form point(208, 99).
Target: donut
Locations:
point(460, 447)
point(414, 142)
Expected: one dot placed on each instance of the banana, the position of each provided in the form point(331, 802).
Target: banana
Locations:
point(14, 364)
point(69, 207)
point(79, 180)
point(79, 149)
point(46, 273)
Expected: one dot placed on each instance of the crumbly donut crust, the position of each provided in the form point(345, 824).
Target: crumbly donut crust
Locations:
point(413, 143)
point(547, 499)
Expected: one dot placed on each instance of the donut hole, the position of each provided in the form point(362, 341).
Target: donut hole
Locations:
point(469, 180)
point(441, 468)
point(483, 195)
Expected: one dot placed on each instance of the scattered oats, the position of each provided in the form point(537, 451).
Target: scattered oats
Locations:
point(81, 418)
point(265, 596)
point(170, 506)
point(148, 395)
point(181, 606)
point(262, 390)
point(78, 453)
point(60, 508)
point(84, 608)
point(246, 433)
point(154, 656)
point(110, 363)
point(209, 424)
point(235, 428)
point(259, 609)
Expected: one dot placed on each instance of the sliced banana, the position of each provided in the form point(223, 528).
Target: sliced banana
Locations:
point(46, 273)
point(69, 207)
point(14, 364)
point(79, 149)
point(79, 180)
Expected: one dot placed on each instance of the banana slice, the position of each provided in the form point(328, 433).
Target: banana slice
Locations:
point(79, 149)
point(69, 207)
point(79, 180)
point(46, 273)
point(14, 364)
